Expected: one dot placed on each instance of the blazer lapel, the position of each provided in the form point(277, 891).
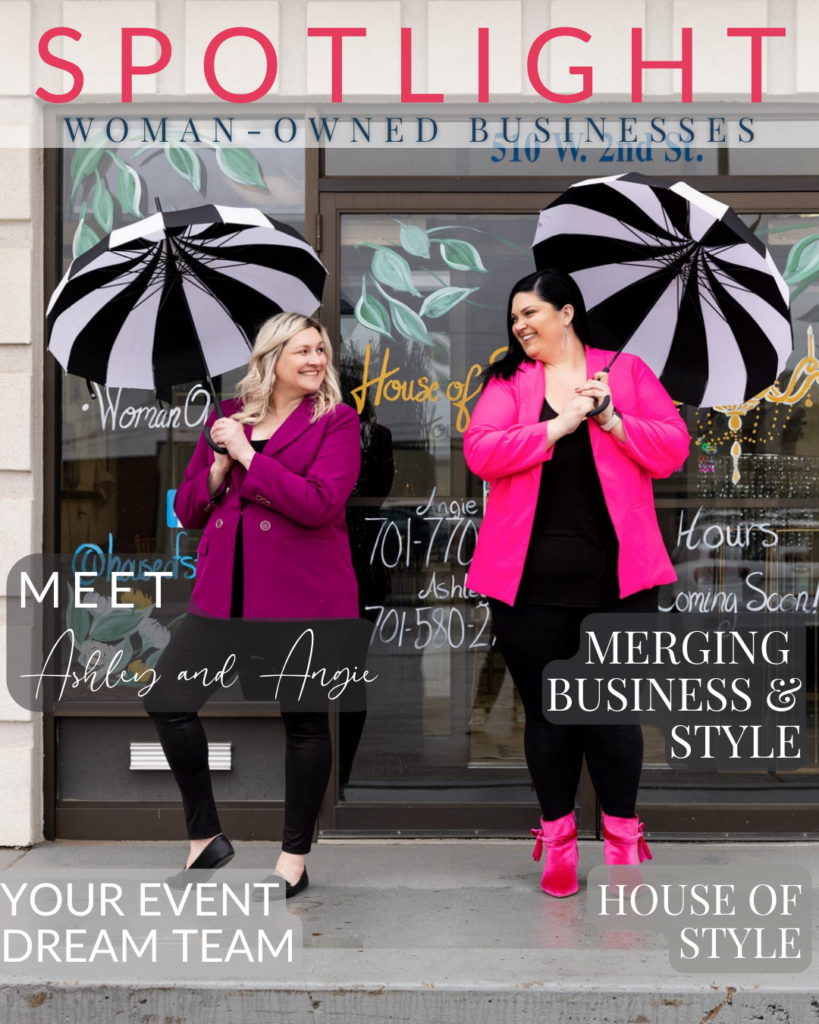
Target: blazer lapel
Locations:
point(532, 392)
point(596, 360)
point(294, 426)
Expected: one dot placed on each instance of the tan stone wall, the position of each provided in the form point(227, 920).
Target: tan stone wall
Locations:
point(21, 432)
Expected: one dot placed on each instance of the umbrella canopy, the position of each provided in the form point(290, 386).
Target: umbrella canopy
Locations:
point(676, 278)
point(178, 297)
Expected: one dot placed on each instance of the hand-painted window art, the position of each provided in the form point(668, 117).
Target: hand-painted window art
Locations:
point(171, 518)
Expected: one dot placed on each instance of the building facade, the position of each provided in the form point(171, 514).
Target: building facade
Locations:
point(422, 246)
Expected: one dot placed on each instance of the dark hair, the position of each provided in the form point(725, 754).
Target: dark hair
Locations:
point(550, 285)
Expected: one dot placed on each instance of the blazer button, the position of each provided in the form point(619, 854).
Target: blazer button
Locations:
point(219, 524)
point(260, 497)
point(265, 525)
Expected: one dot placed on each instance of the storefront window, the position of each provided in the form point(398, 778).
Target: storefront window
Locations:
point(741, 521)
point(423, 301)
point(124, 451)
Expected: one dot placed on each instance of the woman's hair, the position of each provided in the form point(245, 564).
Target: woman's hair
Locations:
point(550, 285)
point(255, 389)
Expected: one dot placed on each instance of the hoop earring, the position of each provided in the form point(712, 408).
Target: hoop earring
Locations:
point(564, 343)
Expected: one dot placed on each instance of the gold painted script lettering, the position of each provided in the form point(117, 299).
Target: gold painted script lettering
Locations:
point(387, 386)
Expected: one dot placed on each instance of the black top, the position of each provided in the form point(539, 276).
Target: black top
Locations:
point(572, 556)
point(237, 597)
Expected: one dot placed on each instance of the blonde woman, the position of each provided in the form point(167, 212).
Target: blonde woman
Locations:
point(274, 546)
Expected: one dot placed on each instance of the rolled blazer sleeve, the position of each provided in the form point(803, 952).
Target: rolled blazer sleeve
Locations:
point(495, 443)
point(656, 438)
point(313, 499)
point(193, 502)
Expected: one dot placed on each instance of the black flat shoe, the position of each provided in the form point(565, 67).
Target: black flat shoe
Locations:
point(290, 890)
point(216, 854)
point(294, 890)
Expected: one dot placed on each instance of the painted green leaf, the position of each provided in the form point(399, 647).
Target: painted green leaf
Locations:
point(461, 255)
point(118, 624)
point(129, 186)
point(102, 204)
point(240, 165)
point(371, 313)
point(144, 149)
point(85, 160)
point(443, 300)
point(85, 237)
point(414, 240)
point(185, 162)
point(78, 619)
point(803, 261)
point(409, 323)
point(391, 269)
point(406, 320)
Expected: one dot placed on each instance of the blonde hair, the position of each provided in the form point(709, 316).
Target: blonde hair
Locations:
point(255, 389)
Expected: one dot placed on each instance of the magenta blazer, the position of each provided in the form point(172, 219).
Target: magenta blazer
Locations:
point(297, 561)
point(505, 443)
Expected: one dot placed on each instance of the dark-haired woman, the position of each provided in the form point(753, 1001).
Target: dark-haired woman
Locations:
point(570, 529)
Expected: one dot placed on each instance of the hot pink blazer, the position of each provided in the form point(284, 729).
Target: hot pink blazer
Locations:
point(505, 444)
point(297, 562)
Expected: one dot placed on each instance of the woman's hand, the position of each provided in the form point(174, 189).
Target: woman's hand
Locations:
point(220, 467)
point(573, 413)
point(597, 388)
point(230, 434)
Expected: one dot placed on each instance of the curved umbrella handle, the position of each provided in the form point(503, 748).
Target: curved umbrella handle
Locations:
point(607, 400)
point(218, 404)
point(600, 408)
point(217, 447)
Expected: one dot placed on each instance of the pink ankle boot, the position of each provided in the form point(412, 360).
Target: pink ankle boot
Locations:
point(560, 869)
point(624, 848)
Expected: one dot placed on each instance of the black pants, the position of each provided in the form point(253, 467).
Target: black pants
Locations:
point(530, 636)
point(173, 705)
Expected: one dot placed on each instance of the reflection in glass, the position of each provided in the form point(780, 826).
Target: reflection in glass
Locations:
point(422, 310)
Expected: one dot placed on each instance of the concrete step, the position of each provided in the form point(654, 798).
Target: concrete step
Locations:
point(430, 931)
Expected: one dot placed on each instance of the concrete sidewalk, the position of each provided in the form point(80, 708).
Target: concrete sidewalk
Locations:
point(434, 931)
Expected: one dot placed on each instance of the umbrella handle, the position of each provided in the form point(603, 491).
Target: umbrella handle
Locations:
point(606, 401)
point(600, 408)
point(218, 404)
point(216, 447)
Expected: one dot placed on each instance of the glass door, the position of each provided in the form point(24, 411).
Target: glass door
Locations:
point(421, 304)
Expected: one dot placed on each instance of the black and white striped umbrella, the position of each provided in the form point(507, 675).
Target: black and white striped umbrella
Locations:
point(178, 297)
point(676, 278)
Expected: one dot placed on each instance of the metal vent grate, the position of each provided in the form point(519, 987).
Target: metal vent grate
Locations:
point(150, 757)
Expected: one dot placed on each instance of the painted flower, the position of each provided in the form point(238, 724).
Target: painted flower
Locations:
point(141, 671)
point(103, 603)
point(154, 633)
point(98, 661)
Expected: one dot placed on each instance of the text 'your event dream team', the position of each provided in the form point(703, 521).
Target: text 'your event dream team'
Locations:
point(553, 547)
